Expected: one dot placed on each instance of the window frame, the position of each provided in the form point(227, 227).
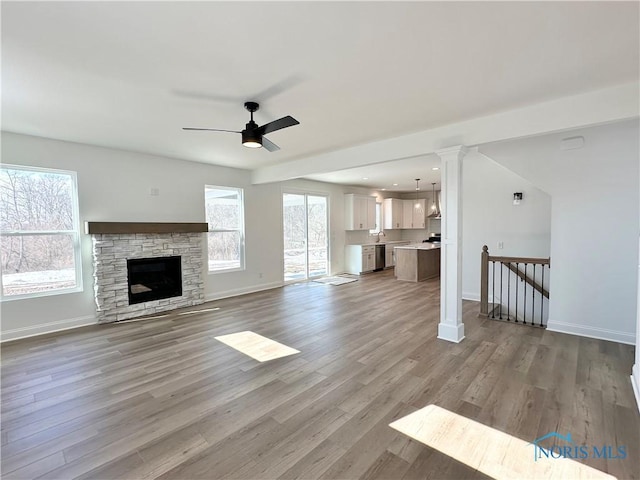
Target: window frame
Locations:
point(379, 220)
point(75, 235)
point(241, 229)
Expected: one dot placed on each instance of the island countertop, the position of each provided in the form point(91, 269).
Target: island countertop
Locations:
point(419, 246)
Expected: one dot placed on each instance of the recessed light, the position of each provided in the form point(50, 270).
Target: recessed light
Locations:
point(383, 189)
point(365, 178)
point(435, 168)
point(395, 184)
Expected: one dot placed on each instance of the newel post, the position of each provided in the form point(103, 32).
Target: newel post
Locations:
point(484, 282)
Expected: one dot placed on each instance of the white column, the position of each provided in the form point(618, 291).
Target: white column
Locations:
point(635, 370)
point(451, 327)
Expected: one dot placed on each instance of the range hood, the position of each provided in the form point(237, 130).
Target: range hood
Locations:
point(437, 213)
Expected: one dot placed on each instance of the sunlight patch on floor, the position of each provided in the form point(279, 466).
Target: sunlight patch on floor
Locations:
point(256, 346)
point(490, 451)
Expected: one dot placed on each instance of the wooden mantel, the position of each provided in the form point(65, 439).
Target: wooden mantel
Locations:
point(143, 227)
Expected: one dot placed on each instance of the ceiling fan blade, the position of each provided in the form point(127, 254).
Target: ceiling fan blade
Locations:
point(210, 129)
point(269, 145)
point(279, 124)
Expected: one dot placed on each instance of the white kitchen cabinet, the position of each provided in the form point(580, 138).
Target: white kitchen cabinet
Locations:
point(419, 214)
point(359, 212)
point(413, 217)
point(407, 213)
point(393, 213)
point(360, 258)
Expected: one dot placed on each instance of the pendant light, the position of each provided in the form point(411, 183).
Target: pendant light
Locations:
point(433, 205)
point(417, 205)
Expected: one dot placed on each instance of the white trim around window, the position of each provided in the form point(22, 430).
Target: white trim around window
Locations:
point(224, 210)
point(40, 251)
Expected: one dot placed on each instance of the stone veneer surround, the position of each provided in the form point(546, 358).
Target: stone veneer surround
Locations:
point(110, 254)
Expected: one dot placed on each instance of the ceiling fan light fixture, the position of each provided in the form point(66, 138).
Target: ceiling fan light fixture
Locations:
point(251, 140)
point(253, 135)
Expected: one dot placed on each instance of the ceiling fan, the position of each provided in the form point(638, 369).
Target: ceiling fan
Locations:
point(253, 136)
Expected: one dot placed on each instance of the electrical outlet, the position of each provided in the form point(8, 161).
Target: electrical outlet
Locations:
point(500, 245)
point(154, 192)
point(260, 275)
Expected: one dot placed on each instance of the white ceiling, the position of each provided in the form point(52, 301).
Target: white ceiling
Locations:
point(129, 75)
point(393, 176)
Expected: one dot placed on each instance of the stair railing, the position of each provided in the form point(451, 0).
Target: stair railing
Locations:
point(513, 281)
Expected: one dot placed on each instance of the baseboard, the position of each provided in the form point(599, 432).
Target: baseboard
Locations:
point(475, 297)
point(635, 382)
point(51, 327)
point(591, 332)
point(70, 323)
point(242, 291)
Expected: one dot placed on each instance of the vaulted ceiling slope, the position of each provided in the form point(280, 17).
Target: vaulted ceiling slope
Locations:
point(129, 75)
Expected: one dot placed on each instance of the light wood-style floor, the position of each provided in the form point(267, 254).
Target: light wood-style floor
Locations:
point(162, 398)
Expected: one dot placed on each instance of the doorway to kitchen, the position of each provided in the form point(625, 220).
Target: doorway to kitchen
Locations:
point(306, 247)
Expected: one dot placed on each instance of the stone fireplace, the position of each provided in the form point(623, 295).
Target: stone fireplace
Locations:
point(117, 245)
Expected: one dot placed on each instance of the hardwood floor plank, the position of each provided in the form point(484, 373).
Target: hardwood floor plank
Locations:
point(326, 392)
point(372, 442)
point(386, 466)
point(228, 454)
point(405, 448)
point(315, 462)
point(28, 450)
point(37, 468)
point(385, 381)
point(284, 454)
point(484, 382)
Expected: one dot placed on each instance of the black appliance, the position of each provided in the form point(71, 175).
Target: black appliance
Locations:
point(434, 239)
point(380, 258)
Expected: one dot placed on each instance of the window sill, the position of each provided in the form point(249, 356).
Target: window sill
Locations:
point(226, 270)
point(49, 293)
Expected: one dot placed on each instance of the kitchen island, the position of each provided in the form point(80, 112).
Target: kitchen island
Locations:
point(417, 262)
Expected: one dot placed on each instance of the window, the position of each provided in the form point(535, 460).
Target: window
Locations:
point(39, 232)
point(225, 216)
point(378, 219)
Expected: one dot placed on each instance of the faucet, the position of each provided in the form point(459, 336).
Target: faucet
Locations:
point(378, 234)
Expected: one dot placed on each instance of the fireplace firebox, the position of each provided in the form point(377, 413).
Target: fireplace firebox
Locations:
point(154, 278)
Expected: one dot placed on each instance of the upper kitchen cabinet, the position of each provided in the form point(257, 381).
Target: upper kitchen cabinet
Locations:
point(359, 212)
point(412, 216)
point(419, 214)
point(393, 213)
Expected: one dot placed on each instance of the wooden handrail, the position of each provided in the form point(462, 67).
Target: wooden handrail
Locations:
point(522, 276)
point(509, 262)
point(530, 261)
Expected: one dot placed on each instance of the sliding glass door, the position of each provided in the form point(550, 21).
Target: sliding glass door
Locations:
point(305, 222)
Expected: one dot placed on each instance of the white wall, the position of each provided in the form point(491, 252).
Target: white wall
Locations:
point(635, 371)
point(114, 186)
point(489, 217)
point(594, 224)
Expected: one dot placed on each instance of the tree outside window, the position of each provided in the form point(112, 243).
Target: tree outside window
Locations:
point(39, 232)
point(225, 215)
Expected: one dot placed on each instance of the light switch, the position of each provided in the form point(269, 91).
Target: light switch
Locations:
point(500, 245)
point(154, 192)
